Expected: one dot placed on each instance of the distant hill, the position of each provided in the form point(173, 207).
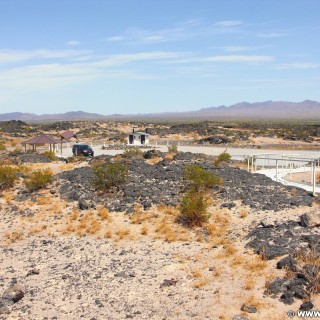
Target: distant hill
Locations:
point(72, 115)
point(273, 110)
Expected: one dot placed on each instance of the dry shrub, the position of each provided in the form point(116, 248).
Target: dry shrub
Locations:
point(75, 214)
point(94, 226)
point(154, 160)
point(238, 261)
point(144, 229)
point(216, 272)
point(201, 283)
point(166, 231)
point(256, 264)
point(8, 197)
point(37, 229)
point(69, 228)
point(310, 257)
point(243, 213)
point(42, 200)
point(122, 233)
point(249, 283)
point(103, 213)
point(168, 210)
point(14, 236)
point(253, 301)
point(218, 226)
point(229, 249)
point(108, 234)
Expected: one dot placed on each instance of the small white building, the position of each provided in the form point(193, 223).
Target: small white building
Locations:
point(137, 138)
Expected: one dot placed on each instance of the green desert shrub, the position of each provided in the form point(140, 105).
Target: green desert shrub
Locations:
point(8, 175)
point(107, 175)
point(51, 155)
point(132, 153)
point(198, 178)
point(195, 202)
point(194, 208)
point(39, 179)
point(172, 149)
point(2, 146)
point(16, 152)
point(223, 157)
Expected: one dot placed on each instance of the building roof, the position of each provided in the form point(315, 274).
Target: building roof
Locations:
point(141, 133)
point(42, 139)
point(68, 134)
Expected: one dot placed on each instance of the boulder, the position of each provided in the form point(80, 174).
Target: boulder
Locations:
point(310, 219)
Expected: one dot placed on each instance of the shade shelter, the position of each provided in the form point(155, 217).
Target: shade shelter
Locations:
point(66, 136)
point(41, 140)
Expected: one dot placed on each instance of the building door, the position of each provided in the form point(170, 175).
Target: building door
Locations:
point(130, 138)
point(143, 139)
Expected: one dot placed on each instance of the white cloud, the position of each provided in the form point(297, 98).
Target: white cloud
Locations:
point(271, 35)
point(115, 38)
point(52, 75)
point(229, 23)
point(192, 28)
point(13, 56)
point(73, 43)
point(243, 48)
point(299, 65)
point(238, 58)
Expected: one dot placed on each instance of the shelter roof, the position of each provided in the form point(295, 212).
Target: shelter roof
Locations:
point(68, 134)
point(42, 139)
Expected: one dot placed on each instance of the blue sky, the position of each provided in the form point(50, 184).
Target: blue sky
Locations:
point(140, 56)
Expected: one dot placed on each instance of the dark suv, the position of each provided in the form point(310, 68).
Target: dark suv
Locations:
point(82, 149)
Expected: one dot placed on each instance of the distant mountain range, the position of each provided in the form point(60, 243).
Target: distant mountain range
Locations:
point(273, 110)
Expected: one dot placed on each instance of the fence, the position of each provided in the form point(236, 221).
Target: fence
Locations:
point(285, 168)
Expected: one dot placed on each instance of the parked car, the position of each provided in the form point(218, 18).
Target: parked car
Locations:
point(82, 149)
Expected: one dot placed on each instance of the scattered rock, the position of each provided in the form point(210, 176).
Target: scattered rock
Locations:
point(306, 306)
point(240, 317)
point(288, 262)
point(249, 309)
point(13, 294)
point(310, 219)
point(168, 283)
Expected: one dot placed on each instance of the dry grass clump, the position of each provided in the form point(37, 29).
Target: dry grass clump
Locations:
point(103, 213)
point(243, 213)
point(249, 283)
point(43, 200)
point(122, 233)
point(144, 230)
point(75, 214)
point(166, 230)
point(154, 160)
point(310, 258)
point(14, 236)
point(256, 264)
point(218, 226)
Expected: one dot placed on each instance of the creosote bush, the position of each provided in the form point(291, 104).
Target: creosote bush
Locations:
point(132, 153)
point(2, 146)
point(172, 149)
point(195, 202)
point(51, 155)
point(223, 157)
point(108, 175)
point(8, 175)
point(194, 207)
point(198, 178)
point(39, 179)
